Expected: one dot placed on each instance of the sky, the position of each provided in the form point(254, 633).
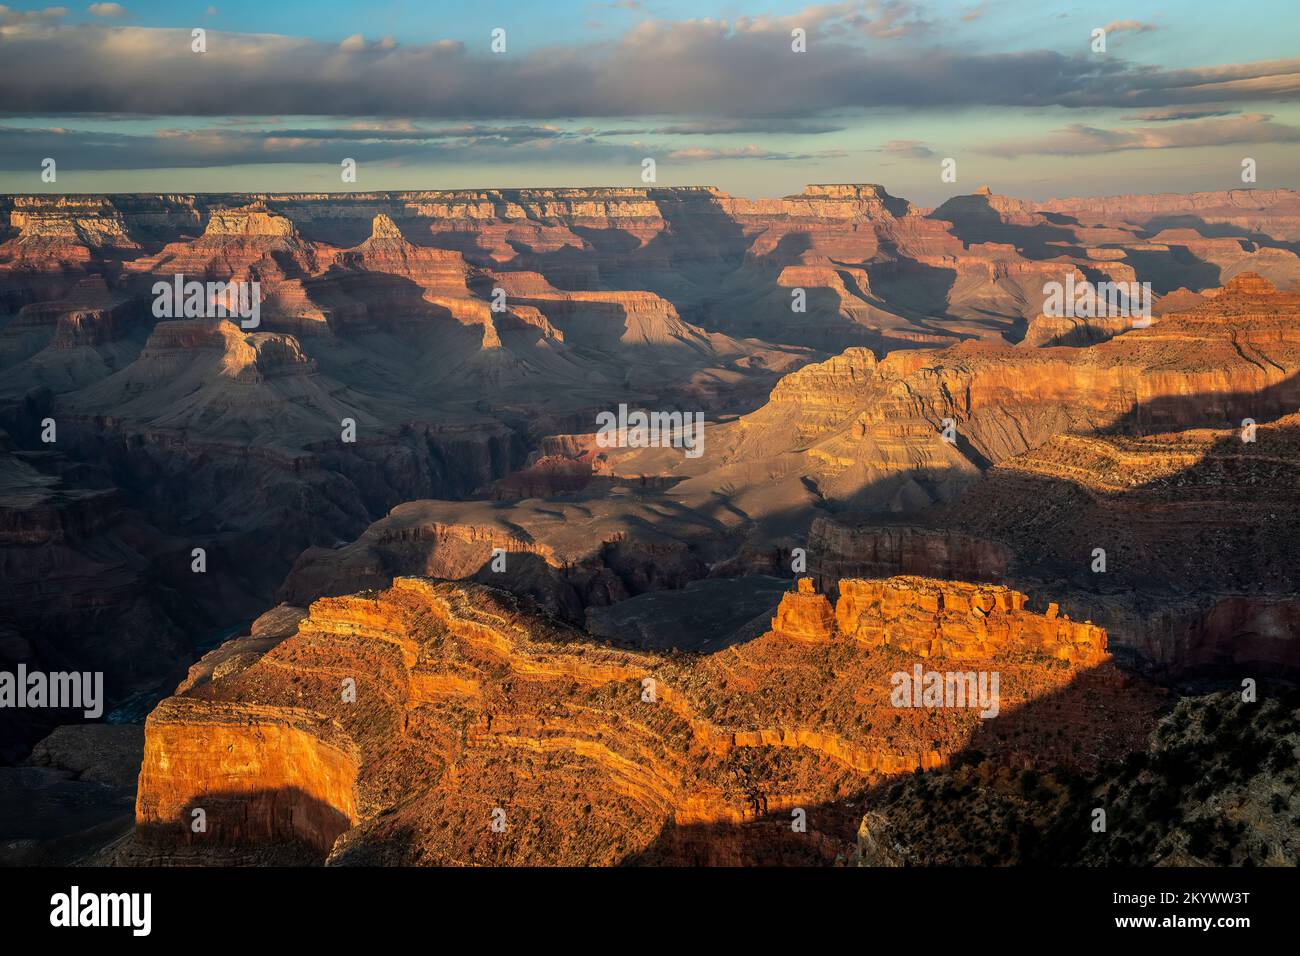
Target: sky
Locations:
point(1015, 93)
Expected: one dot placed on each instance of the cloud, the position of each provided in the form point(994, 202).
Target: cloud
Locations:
point(880, 19)
point(10, 17)
point(703, 155)
point(110, 10)
point(1171, 115)
point(1128, 26)
point(470, 143)
point(404, 131)
point(895, 19)
point(357, 43)
point(688, 69)
point(907, 149)
point(722, 127)
point(1078, 139)
point(226, 146)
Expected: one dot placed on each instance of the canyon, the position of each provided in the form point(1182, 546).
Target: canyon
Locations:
point(396, 479)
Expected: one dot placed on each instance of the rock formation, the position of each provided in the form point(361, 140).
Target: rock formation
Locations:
point(928, 618)
point(804, 614)
point(469, 709)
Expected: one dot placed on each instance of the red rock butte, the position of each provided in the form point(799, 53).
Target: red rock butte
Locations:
point(931, 618)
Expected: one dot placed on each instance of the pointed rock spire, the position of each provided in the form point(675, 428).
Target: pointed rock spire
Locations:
point(384, 228)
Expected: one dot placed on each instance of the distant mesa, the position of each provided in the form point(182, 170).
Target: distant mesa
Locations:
point(255, 219)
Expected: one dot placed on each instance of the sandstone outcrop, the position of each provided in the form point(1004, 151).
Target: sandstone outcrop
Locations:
point(256, 774)
point(929, 618)
point(804, 614)
point(962, 621)
point(470, 710)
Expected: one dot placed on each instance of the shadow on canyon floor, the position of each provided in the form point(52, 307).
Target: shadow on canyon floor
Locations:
point(284, 824)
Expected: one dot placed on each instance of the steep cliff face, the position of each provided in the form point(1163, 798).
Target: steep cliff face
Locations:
point(961, 621)
point(71, 231)
point(924, 617)
point(485, 733)
point(253, 774)
point(842, 551)
point(804, 614)
point(1045, 330)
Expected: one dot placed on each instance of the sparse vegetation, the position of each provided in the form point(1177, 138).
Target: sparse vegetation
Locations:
point(1216, 787)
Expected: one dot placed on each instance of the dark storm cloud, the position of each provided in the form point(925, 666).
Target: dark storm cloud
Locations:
point(23, 149)
point(696, 68)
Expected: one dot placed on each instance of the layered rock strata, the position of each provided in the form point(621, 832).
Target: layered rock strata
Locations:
point(447, 723)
